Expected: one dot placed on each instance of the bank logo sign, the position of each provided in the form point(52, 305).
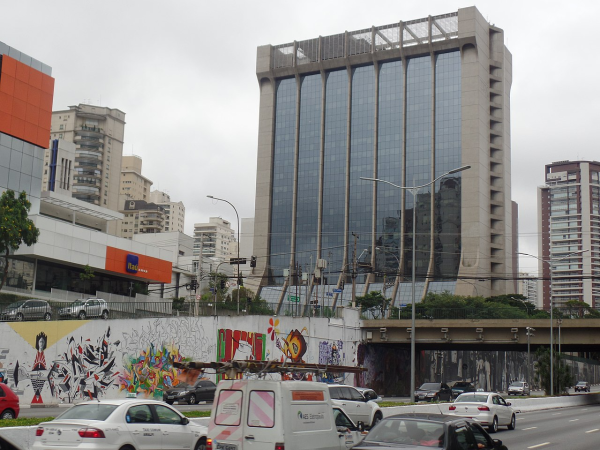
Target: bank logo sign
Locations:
point(132, 263)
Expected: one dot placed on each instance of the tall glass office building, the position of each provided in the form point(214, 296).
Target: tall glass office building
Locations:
point(404, 103)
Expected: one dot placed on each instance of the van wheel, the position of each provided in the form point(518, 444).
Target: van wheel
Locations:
point(127, 447)
point(376, 419)
point(104, 314)
point(47, 317)
point(81, 315)
point(7, 414)
point(19, 317)
point(201, 444)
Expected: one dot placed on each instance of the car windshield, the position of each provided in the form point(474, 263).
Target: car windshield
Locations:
point(91, 411)
point(461, 384)
point(408, 432)
point(430, 386)
point(182, 386)
point(479, 398)
point(15, 305)
point(582, 383)
point(517, 383)
point(76, 303)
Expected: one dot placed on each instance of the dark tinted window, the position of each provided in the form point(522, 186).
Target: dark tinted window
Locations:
point(481, 437)
point(2, 394)
point(139, 414)
point(430, 386)
point(334, 392)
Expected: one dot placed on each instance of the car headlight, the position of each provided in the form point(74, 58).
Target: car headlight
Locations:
point(184, 393)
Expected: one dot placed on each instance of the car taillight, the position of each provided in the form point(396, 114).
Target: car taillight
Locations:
point(39, 431)
point(452, 408)
point(209, 444)
point(279, 446)
point(91, 433)
point(483, 408)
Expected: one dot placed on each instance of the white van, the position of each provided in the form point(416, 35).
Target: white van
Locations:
point(278, 415)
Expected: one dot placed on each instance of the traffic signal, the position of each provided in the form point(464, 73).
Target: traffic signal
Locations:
point(240, 281)
point(253, 261)
point(223, 284)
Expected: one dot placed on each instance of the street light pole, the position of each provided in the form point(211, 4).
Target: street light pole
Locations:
point(397, 269)
point(529, 334)
point(549, 262)
point(238, 248)
point(414, 190)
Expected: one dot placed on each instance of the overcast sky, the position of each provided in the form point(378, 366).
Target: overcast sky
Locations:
point(183, 71)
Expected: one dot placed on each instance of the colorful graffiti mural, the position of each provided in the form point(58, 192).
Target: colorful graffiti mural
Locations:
point(330, 353)
point(240, 345)
point(84, 370)
point(151, 372)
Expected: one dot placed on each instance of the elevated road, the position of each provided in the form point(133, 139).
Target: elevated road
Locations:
point(576, 335)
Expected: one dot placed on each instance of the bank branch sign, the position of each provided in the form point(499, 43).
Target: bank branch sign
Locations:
point(132, 263)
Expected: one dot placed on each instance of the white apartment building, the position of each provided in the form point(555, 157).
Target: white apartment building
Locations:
point(134, 185)
point(527, 287)
point(98, 133)
point(174, 211)
point(217, 238)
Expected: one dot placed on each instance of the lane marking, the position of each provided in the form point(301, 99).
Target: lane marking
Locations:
point(539, 445)
point(556, 414)
point(573, 420)
point(530, 428)
point(592, 431)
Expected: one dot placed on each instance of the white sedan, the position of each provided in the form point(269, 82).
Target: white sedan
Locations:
point(487, 408)
point(124, 424)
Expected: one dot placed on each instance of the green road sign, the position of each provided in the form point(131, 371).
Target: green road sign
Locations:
point(293, 298)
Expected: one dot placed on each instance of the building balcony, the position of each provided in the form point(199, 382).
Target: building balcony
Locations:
point(84, 197)
point(87, 181)
point(88, 156)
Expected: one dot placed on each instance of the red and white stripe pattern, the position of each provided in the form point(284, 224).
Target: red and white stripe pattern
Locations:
point(261, 411)
point(229, 426)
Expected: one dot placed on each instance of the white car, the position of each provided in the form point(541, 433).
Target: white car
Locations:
point(358, 408)
point(120, 424)
point(486, 408)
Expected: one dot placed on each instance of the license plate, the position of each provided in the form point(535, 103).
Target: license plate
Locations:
point(226, 446)
point(171, 396)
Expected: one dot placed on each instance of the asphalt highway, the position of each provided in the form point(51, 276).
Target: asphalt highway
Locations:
point(576, 428)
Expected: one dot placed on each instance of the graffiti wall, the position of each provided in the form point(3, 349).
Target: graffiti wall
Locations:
point(70, 361)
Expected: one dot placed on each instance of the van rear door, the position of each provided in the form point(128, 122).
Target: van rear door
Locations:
point(226, 426)
point(262, 429)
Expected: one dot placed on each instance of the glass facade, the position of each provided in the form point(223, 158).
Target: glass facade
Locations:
point(407, 127)
point(389, 166)
point(334, 169)
point(418, 161)
point(283, 178)
point(309, 157)
point(448, 144)
point(362, 125)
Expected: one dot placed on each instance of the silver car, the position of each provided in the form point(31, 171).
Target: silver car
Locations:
point(519, 388)
point(31, 309)
point(82, 309)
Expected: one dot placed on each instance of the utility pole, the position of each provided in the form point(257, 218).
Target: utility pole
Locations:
point(354, 271)
point(200, 276)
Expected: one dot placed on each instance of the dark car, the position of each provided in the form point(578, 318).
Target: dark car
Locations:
point(433, 392)
point(462, 386)
point(183, 392)
point(9, 403)
point(413, 431)
point(582, 386)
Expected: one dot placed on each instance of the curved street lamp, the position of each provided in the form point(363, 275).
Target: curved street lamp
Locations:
point(238, 247)
point(549, 262)
point(414, 190)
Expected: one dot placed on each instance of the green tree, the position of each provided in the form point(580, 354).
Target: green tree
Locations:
point(15, 226)
point(374, 302)
point(178, 303)
point(562, 375)
point(85, 276)
point(574, 309)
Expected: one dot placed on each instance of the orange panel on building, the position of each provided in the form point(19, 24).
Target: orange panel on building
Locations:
point(141, 266)
point(26, 102)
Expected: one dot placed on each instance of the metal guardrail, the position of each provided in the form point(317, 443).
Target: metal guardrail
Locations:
point(150, 309)
point(483, 313)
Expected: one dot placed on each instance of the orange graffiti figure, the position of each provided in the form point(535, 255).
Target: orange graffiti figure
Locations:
point(294, 346)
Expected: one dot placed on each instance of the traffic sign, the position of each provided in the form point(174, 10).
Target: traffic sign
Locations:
point(293, 298)
point(337, 291)
point(237, 260)
point(329, 294)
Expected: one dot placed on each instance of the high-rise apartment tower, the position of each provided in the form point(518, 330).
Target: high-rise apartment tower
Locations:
point(405, 103)
point(569, 233)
